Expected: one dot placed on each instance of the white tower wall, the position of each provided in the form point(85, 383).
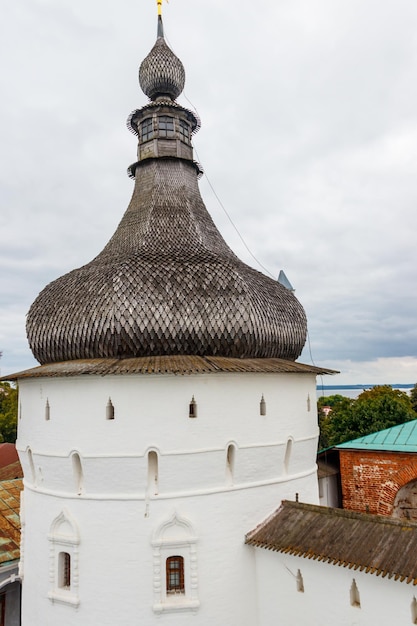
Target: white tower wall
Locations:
point(93, 491)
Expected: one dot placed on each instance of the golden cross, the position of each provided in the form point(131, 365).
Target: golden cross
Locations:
point(159, 3)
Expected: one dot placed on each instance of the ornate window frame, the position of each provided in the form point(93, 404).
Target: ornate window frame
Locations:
point(64, 541)
point(175, 537)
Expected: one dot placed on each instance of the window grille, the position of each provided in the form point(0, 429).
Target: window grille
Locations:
point(184, 131)
point(146, 130)
point(166, 126)
point(175, 574)
point(64, 570)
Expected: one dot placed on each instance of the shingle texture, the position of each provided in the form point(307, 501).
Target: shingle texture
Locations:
point(177, 364)
point(374, 544)
point(161, 72)
point(166, 283)
point(10, 520)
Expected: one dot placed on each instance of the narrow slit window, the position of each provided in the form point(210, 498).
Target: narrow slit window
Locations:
point(193, 408)
point(355, 599)
point(110, 410)
point(175, 574)
point(300, 582)
point(78, 473)
point(230, 463)
point(287, 457)
point(414, 611)
point(153, 478)
point(64, 573)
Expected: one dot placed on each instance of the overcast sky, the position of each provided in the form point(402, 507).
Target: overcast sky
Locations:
point(309, 138)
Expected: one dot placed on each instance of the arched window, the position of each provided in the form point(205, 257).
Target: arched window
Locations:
point(64, 570)
point(175, 574)
point(64, 560)
point(175, 564)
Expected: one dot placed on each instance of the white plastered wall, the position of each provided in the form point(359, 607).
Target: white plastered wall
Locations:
point(116, 515)
point(326, 600)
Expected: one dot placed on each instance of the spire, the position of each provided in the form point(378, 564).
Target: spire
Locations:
point(166, 283)
point(160, 32)
point(161, 73)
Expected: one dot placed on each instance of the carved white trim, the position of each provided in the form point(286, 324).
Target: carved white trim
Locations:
point(175, 537)
point(64, 536)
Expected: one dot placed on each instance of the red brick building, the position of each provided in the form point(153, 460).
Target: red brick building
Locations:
point(379, 472)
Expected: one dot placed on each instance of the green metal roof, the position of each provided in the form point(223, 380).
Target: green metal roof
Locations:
point(401, 438)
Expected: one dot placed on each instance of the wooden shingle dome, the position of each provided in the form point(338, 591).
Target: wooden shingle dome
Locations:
point(166, 283)
point(161, 73)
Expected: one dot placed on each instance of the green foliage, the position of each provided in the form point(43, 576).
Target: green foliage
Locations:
point(413, 397)
point(373, 410)
point(8, 413)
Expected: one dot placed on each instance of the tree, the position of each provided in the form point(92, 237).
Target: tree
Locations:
point(375, 409)
point(331, 408)
point(413, 397)
point(8, 413)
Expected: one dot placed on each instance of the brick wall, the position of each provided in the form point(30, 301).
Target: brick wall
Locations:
point(371, 479)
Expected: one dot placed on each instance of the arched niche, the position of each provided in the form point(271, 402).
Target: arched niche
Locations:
point(405, 502)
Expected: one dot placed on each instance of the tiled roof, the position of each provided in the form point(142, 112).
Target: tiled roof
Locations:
point(8, 454)
point(14, 470)
point(187, 364)
point(401, 438)
point(10, 520)
point(375, 544)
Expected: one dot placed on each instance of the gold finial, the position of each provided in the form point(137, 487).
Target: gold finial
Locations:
point(159, 3)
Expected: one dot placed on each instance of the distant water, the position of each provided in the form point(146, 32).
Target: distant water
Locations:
point(353, 391)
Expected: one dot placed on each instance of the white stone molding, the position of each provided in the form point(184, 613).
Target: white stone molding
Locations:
point(175, 537)
point(64, 537)
point(22, 534)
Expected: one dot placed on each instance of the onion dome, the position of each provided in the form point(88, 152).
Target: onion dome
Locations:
point(161, 73)
point(166, 283)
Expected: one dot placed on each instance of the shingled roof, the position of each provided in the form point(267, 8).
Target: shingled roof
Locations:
point(166, 283)
point(10, 520)
point(175, 364)
point(372, 543)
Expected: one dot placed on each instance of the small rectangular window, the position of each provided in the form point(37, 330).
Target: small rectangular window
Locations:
point(146, 130)
point(175, 574)
point(184, 131)
point(166, 126)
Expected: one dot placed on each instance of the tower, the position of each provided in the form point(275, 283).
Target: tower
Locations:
point(168, 415)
